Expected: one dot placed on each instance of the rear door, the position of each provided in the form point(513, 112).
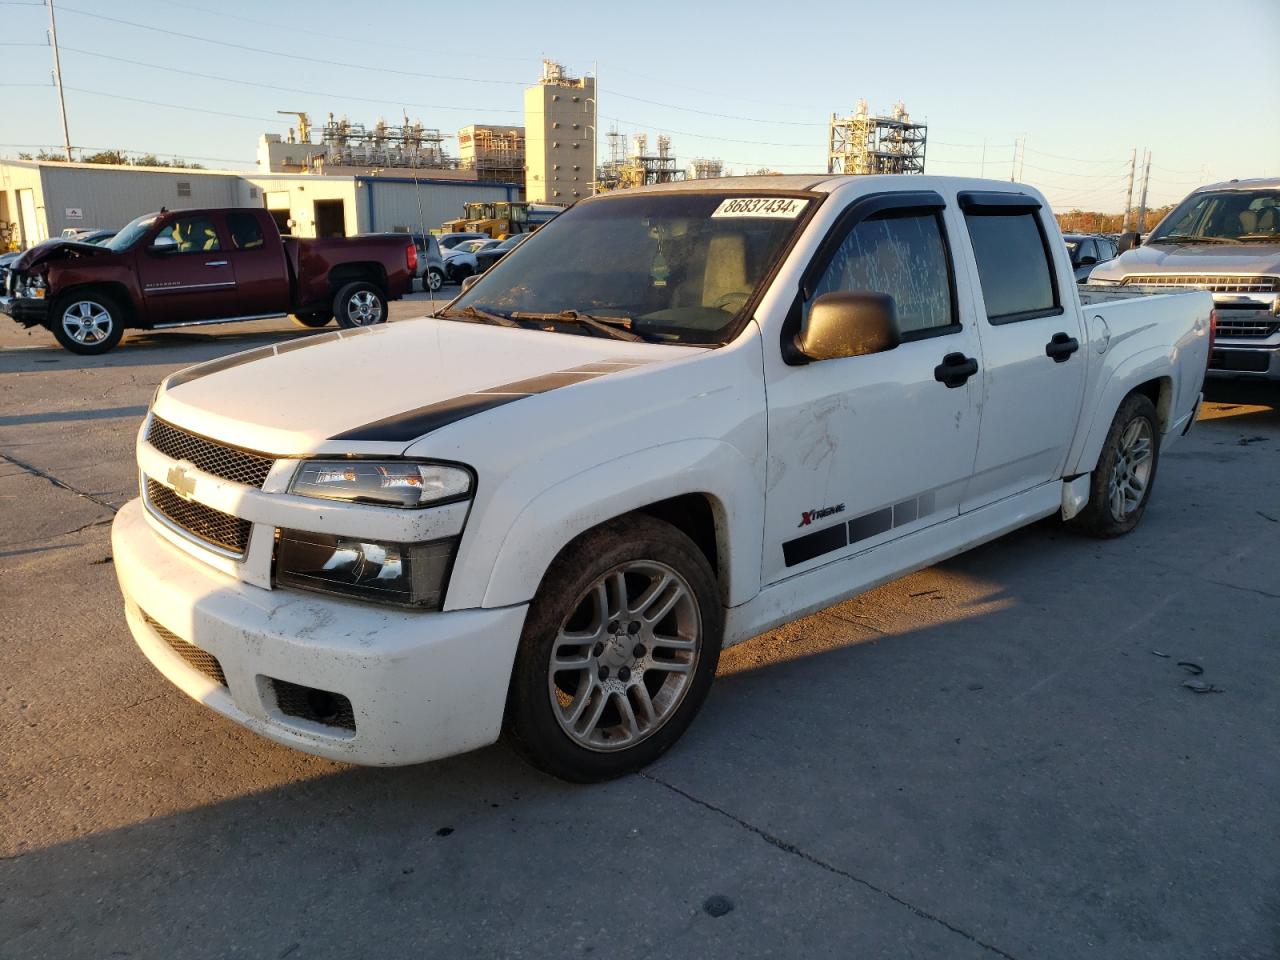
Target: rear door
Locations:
point(1033, 377)
point(863, 450)
point(185, 272)
point(258, 264)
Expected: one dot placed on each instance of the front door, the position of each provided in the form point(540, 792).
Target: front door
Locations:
point(863, 450)
point(186, 274)
point(1033, 378)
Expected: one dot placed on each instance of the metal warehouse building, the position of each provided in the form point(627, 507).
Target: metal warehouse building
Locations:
point(39, 199)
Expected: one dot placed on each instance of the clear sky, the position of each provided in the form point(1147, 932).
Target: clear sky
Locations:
point(1198, 83)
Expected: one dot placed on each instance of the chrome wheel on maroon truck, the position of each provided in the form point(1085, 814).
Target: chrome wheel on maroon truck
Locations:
point(87, 323)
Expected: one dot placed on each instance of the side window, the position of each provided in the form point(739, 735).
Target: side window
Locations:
point(1013, 265)
point(245, 230)
point(189, 234)
point(903, 254)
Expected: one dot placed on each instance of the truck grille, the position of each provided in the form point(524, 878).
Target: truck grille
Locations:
point(196, 658)
point(203, 523)
point(1215, 284)
point(1246, 329)
point(229, 463)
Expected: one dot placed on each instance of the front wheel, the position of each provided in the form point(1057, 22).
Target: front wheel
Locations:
point(1120, 484)
point(87, 323)
point(360, 304)
point(618, 651)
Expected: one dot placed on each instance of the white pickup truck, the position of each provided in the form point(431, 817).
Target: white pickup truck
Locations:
point(675, 418)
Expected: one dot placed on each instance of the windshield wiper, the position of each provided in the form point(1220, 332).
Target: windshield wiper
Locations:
point(1267, 237)
point(1187, 238)
point(475, 313)
point(619, 328)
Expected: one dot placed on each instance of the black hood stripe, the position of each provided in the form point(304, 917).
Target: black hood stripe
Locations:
point(412, 424)
point(261, 353)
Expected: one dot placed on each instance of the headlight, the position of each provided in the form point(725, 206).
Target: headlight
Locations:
point(406, 574)
point(395, 483)
point(35, 288)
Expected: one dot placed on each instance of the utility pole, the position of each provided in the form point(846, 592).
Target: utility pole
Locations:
point(983, 170)
point(1128, 197)
point(1013, 170)
point(1142, 206)
point(57, 79)
point(1023, 157)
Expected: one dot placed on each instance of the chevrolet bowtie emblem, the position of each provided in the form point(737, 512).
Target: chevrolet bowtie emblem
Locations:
point(183, 485)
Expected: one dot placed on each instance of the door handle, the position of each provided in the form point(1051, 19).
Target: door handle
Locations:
point(955, 369)
point(215, 263)
point(1061, 347)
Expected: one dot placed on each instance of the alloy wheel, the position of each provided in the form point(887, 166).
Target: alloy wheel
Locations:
point(1132, 471)
point(625, 657)
point(364, 308)
point(87, 322)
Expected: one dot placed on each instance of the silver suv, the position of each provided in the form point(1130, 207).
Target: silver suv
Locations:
point(1224, 238)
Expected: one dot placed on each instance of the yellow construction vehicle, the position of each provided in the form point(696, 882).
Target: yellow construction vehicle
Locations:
point(500, 219)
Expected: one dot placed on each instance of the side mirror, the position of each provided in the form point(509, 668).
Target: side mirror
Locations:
point(1127, 241)
point(469, 282)
point(163, 245)
point(849, 323)
point(1086, 261)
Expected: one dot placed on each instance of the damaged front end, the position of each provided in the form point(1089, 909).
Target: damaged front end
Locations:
point(25, 287)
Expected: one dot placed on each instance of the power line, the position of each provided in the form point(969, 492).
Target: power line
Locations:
point(134, 150)
point(271, 86)
point(174, 106)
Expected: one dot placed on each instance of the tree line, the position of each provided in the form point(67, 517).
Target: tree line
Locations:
point(118, 157)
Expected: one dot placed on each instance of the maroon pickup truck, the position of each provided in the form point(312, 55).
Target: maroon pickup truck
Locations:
point(181, 267)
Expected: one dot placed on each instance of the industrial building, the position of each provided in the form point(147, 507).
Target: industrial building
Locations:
point(560, 136)
point(864, 143)
point(39, 199)
point(492, 153)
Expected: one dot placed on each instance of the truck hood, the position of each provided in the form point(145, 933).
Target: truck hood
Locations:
point(1247, 259)
point(377, 389)
point(57, 250)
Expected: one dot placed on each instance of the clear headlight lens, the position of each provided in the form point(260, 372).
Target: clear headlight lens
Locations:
point(395, 483)
point(35, 288)
point(405, 574)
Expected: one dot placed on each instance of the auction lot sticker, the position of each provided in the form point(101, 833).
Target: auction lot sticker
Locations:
point(779, 208)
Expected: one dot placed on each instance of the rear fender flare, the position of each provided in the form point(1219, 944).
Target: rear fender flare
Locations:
point(1153, 363)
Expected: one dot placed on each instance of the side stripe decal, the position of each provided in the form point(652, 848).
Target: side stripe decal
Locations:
point(830, 539)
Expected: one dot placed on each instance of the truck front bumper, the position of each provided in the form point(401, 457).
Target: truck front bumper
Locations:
point(1250, 361)
point(348, 681)
point(28, 312)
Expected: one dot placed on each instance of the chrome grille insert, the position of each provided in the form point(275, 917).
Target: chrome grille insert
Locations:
point(229, 463)
point(199, 660)
point(1245, 329)
point(204, 524)
point(1210, 282)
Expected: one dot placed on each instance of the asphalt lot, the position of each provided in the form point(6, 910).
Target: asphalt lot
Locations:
point(986, 759)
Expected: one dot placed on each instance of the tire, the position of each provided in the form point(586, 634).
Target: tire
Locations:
point(312, 320)
point(360, 304)
point(433, 280)
point(645, 655)
point(89, 323)
point(1128, 462)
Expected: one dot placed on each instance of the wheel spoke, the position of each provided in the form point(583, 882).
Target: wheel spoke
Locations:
point(600, 700)
point(673, 643)
point(641, 693)
point(670, 666)
point(628, 713)
point(619, 607)
point(580, 702)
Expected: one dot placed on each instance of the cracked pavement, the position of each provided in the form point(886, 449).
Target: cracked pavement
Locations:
point(985, 759)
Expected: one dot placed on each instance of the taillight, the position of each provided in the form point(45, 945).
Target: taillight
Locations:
point(411, 258)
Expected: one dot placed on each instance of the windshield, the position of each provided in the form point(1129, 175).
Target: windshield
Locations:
point(676, 267)
point(1223, 215)
point(131, 234)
